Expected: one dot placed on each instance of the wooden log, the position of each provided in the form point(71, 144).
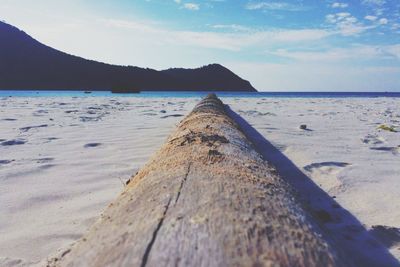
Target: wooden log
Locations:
point(206, 198)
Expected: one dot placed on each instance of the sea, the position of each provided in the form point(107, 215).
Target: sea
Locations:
point(44, 93)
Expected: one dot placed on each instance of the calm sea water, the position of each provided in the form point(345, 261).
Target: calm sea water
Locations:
point(198, 94)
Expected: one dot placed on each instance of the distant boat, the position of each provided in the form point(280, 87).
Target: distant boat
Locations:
point(124, 90)
point(88, 92)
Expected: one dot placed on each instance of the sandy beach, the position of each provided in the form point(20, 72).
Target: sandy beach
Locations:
point(63, 159)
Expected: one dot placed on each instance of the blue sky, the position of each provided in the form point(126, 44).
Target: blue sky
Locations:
point(277, 45)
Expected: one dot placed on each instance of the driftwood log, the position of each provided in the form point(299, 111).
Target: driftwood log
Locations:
point(206, 198)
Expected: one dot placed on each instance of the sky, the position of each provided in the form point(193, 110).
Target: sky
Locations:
point(298, 45)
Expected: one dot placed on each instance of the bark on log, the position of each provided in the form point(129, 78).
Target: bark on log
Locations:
point(206, 198)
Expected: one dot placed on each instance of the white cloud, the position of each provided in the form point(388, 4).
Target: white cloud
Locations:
point(371, 18)
point(233, 27)
point(339, 5)
point(274, 6)
point(360, 52)
point(231, 41)
point(242, 40)
point(374, 2)
point(383, 21)
point(376, 5)
point(349, 29)
point(237, 38)
point(395, 26)
point(330, 18)
point(191, 6)
point(346, 24)
point(300, 35)
point(342, 15)
point(132, 25)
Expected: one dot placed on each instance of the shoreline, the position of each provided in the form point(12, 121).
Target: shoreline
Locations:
point(189, 94)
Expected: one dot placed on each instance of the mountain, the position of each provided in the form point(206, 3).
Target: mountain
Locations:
point(28, 64)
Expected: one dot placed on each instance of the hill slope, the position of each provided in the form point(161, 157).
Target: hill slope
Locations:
point(28, 64)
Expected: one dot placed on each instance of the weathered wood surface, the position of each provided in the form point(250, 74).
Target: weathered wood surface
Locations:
point(206, 198)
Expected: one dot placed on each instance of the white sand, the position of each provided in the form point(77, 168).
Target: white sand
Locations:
point(344, 153)
point(52, 187)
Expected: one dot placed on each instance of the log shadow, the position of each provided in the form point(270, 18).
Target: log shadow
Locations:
point(343, 228)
